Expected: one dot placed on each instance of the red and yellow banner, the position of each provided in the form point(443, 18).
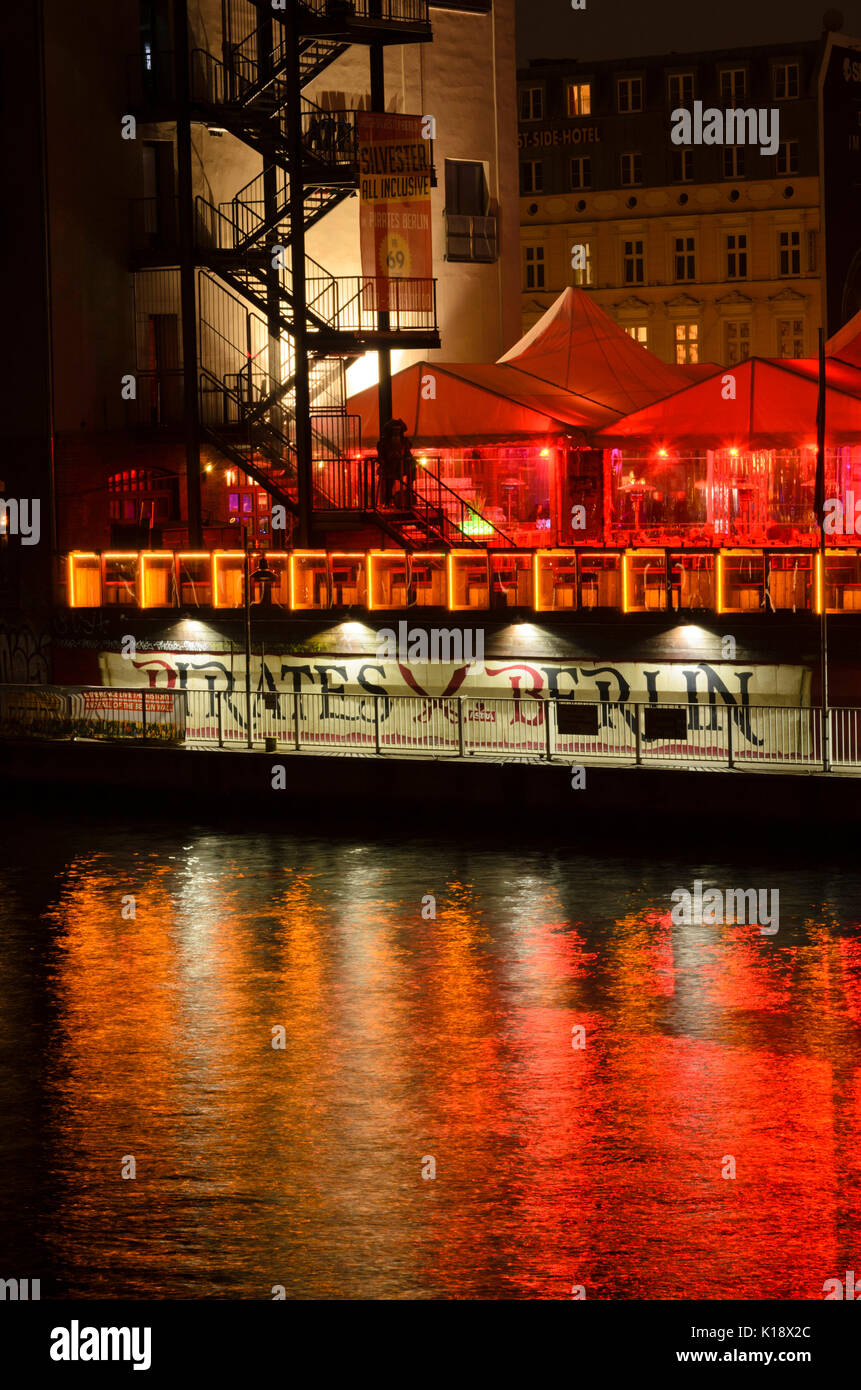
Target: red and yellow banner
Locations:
point(395, 212)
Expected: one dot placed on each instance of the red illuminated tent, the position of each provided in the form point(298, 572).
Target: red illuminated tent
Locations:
point(846, 343)
point(576, 345)
point(762, 403)
point(450, 404)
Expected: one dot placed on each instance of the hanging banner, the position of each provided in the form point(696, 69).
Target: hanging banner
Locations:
point(395, 213)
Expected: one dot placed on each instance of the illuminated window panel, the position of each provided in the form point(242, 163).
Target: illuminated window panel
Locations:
point(600, 580)
point(387, 582)
point(85, 580)
point(309, 579)
point(644, 581)
point(349, 579)
point(429, 580)
point(842, 582)
point(228, 570)
point(194, 579)
point(279, 593)
point(692, 580)
point(792, 580)
point(157, 571)
point(468, 579)
point(119, 579)
point(555, 580)
point(741, 581)
point(511, 575)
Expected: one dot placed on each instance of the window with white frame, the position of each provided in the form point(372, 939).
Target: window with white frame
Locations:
point(733, 161)
point(533, 262)
point(736, 342)
point(639, 332)
point(633, 262)
point(687, 343)
point(790, 337)
point(629, 94)
point(531, 103)
point(631, 170)
point(684, 258)
point(736, 255)
point(789, 248)
point(578, 99)
point(581, 172)
point(582, 275)
point(787, 157)
point(531, 176)
point(733, 86)
point(785, 84)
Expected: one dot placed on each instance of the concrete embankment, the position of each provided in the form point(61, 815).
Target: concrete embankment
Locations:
point(422, 794)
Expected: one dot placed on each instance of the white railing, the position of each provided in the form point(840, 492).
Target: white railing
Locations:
point(531, 727)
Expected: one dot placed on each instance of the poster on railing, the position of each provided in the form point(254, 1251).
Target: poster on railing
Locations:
point(395, 213)
point(122, 714)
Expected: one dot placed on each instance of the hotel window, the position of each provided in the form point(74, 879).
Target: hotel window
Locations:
point(531, 176)
point(684, 258)
point(683, 166)
point(531, 103)
point(785, 81)
point(534, 263)
point(787, 157)
point(629, 94)
point(639, 332)
point(581, 172)
point(632, 262)
point(736, 256)
point(790, 337)
point(733, 85)
point(736, 343)
point(631, 170)
point(811, 251)
point(578, 99)
point(687, 344)
point(733, 161)
point(681, 89)
point(584, 275)
point(790, 253)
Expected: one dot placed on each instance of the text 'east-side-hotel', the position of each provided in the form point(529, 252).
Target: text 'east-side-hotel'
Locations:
point(701, 252)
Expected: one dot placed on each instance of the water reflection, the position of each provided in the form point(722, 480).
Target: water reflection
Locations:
point(406, 1038)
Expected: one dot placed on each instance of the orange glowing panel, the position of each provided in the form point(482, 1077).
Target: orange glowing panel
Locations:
point(720, 581)
point(228, 577)
point(84, 579)
point(156, 573)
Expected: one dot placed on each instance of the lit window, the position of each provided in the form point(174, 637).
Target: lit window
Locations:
point(687, 344)
point(639, 332)
point(578, 99)
point(583, 275)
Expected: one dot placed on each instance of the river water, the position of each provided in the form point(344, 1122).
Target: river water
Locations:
point(413, 1046)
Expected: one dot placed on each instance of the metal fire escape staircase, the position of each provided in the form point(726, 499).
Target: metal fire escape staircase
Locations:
point(249, 347)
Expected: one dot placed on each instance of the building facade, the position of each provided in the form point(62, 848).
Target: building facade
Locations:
point(709, 251)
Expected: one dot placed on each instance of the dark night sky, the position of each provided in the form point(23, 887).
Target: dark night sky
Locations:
point(624, 28)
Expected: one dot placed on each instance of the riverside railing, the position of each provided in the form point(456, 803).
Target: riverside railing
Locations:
point(531, 727)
